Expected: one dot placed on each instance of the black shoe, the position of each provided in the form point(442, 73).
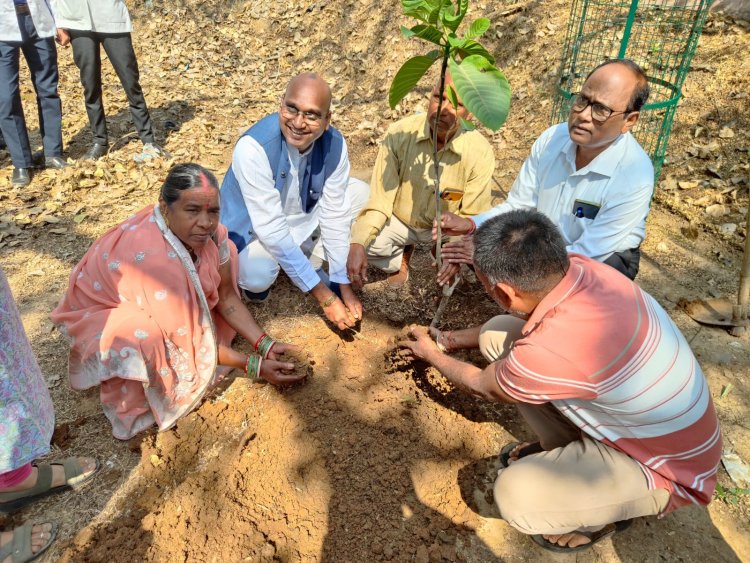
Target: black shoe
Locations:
point(95, 152)
point(21, 177)
point(56, 162)
point(257, 298)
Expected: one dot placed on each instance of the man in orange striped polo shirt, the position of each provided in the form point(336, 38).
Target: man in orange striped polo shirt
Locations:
point(624, 419)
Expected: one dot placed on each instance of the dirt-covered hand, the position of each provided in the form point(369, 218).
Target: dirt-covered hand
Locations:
point(351, 301)
point(423, 345)
point(281, 347)
point(356, 264)
point(279, 373)
point(339, 315)
point(459, 251)
point(452, 225)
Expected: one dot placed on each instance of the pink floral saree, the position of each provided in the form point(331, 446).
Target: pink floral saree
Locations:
point(139, 317)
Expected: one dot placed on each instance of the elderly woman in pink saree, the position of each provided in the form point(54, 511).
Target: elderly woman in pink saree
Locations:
point(153, 306)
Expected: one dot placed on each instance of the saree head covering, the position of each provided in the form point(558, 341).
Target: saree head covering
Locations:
point(139, 316)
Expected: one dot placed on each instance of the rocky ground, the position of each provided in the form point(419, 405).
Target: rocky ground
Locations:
point(370, 460)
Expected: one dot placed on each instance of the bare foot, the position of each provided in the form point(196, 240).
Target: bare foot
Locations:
point(88, 464)
point(40, 534)
point(514, 453)
point(571, 539)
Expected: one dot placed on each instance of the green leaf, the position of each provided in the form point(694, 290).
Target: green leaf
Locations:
point(428, 33)
point(483, 88)
point(419, 9)
point(452, 20)
point(450, 93)
point(470, 47)
point(467, 125)
point(407, 77)
point(455, 42)
point(477, 28)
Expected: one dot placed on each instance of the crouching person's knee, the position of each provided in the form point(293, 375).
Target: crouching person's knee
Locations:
point(513, 493)
point(257, 274)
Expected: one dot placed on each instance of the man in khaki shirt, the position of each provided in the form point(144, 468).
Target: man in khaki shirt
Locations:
point(401, 208)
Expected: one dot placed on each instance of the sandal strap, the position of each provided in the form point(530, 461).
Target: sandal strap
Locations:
point(72, 468)
point(43, 484)
point(19, 548)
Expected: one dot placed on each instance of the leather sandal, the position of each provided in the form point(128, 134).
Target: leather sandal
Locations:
point(595, 537)
point(529, 449)
point(74, 479)
point(19, 547)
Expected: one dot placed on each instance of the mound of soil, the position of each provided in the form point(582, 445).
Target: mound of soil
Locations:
point(372, 459)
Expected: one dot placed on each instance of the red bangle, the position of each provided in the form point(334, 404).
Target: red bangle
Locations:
point(257, 342)
point(473, 226)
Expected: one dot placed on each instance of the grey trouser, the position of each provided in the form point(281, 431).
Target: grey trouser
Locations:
point(119, 49)
point(387, 250)
point(578, 483)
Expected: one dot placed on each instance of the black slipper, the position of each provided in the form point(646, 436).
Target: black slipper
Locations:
point(595, 537)
point(530, 449)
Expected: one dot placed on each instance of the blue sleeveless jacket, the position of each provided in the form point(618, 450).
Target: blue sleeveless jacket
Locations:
point(321, 163)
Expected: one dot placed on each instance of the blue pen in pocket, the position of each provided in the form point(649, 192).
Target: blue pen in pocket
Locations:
point(585, 209)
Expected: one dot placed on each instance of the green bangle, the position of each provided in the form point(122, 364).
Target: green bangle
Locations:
point(328, 302)
point(252, 367)
point(265, 345)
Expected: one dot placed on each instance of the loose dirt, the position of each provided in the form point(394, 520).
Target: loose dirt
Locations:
point(375, 457)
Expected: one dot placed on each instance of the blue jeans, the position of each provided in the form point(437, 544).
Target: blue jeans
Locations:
point(41, 56)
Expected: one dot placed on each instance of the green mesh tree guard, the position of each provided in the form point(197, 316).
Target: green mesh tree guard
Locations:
point(659, 35)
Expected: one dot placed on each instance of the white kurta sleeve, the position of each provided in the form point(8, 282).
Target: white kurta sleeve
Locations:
point(263, 201)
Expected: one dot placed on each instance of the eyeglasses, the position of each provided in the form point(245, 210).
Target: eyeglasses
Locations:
point(599, 112)
point(310, 117)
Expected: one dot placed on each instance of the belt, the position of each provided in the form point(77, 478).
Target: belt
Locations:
point(22, 8)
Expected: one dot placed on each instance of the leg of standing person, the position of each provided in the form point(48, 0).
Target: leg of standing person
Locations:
point(12, 121)
point(87, 56)
point(41, 56)
point(119, 49)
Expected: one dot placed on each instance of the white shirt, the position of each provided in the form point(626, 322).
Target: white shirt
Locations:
point(101, 16)
point(41, 15)
point(282, 227)
point(620, 181)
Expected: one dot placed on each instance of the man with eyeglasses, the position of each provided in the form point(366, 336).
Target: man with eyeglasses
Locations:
point(401, 207)
point(589, 175)
point(623, 421)
point(289, 203)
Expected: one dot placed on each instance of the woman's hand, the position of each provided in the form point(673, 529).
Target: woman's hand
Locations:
point(281, 348)
point(279, 373)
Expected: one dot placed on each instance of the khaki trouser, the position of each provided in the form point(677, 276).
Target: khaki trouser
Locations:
point(387, 250)
point(576, 484)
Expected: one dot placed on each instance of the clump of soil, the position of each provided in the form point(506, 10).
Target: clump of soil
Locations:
point(303, 363)
point(399, 359)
